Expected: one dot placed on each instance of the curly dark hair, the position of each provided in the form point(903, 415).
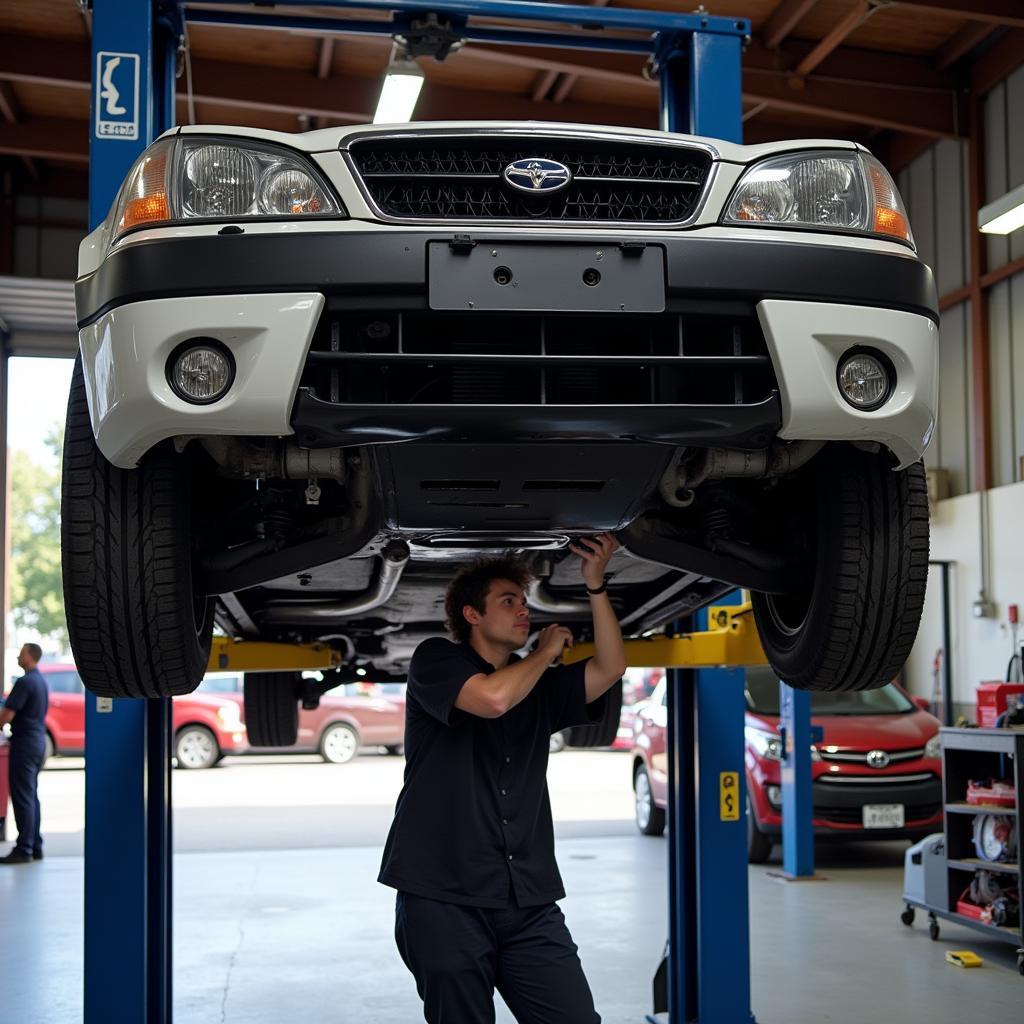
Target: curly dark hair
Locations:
point(470, 586)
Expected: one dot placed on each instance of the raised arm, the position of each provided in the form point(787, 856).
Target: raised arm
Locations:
point(609, 662)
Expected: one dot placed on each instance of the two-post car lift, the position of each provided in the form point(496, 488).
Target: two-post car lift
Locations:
point(128, 847)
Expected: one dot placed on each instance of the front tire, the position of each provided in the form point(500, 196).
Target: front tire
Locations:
point(195, 748)
point(759, 844)
point(850, 623)
point(650, 818)
point(135, 623)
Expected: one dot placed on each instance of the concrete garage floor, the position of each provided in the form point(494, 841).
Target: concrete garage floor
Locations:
point(304, 934)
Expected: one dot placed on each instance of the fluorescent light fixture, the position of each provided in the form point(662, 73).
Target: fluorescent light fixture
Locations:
point(402, 83)
point(1004, 215)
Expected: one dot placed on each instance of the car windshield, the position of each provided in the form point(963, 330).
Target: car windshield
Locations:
point(220, 684)
point(762, 691)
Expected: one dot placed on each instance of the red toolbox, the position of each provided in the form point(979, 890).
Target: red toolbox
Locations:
point(992, 700)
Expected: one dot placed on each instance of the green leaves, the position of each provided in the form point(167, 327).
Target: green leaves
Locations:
point(37, 596)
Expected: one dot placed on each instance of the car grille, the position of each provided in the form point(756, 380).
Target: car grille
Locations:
point(861, 756)
point(441, 178)
point(485, 359)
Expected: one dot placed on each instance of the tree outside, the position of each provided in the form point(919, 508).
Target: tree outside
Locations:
point(36, 590)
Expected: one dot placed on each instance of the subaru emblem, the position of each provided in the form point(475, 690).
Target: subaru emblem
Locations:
point(535, 174)
point(878, 759)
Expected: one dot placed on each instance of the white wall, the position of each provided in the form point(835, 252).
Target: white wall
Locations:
point(981, 647)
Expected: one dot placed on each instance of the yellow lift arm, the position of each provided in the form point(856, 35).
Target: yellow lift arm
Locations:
point(730, 640)
point(227, 655)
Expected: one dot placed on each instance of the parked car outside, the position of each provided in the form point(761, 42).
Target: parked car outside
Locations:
point(876, 773)
point(206, 727)
point(348, 717)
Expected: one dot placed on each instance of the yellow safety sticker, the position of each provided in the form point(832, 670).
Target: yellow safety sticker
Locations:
point(729, 795)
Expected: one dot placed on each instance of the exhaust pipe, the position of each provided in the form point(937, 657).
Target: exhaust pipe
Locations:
point(291, 612)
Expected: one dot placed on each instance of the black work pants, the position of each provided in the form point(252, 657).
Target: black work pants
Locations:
point(459, 955)
point(26, 758)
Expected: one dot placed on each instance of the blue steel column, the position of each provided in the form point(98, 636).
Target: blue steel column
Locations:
point(797, 800)
point(127, 779)
point(709, 938)
point(680, 747)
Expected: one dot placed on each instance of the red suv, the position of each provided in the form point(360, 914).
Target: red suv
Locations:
point(205, 727)
point(349, 716)
point(876, 772)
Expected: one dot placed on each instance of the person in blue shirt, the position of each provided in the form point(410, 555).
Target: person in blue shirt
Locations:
point(25, 708)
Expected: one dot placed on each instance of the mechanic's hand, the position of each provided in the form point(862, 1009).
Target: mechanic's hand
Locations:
point(553, 640)
point(595, 553)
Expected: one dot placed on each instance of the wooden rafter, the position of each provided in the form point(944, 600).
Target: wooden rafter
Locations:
point(783, 20)
point(961, 43)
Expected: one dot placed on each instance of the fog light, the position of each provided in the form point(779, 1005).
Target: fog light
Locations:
point(865, 379)
point(201, 371)
point(774, 795)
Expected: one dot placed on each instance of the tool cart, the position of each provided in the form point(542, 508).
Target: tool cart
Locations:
point(970, 874)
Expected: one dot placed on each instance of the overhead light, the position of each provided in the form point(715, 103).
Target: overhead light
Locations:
point(402, 83)
point(1004, 215)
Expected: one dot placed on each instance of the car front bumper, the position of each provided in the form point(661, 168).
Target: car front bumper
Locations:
point(262, 293)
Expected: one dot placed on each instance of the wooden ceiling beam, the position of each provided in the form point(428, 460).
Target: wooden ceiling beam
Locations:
point(352, 98)
point(998, 62)
point(883, 106)
point(542, 85)
point(996, 12)
point(783, 20)
point(325, 57)
point(961, 43)
point(48, 138)
point(852, 20)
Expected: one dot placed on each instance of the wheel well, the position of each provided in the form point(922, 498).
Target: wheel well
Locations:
point(638, 762)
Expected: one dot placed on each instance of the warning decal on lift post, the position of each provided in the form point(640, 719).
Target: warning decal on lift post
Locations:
point(729, 795)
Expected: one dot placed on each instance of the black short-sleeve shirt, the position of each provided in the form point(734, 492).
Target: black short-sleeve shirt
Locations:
point(473, 821)
point(28, 700)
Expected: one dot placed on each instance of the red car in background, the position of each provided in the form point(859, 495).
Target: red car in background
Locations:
point(350, 716)
point(205, 727)
point(876, 773)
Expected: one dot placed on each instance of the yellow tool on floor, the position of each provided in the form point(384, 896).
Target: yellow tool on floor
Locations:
point(963, 958)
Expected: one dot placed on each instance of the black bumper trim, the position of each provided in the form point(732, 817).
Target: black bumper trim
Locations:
point(320, 424)
point(393, 264)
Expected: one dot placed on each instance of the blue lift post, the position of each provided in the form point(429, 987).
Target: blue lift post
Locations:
point(797, 801)
point(128, 742)
point(709, 939)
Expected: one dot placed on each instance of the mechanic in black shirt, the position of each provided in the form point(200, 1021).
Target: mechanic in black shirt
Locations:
point(471, 849)
point(25, 708)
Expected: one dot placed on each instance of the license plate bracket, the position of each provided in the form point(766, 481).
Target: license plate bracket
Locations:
point(556, 277)
point(883, 815)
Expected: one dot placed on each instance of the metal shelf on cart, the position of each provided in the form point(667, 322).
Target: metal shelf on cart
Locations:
point(962, 807)
point(976, 864)
point(980, 741)
point(999, 930)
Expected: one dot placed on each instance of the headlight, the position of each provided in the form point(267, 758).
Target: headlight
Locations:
point(188, 178)
point(831, 190)
point(230, 716)
point(765, 744)
point(933, 748)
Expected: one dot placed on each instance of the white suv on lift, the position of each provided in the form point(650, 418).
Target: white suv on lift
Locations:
point(319, 371)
